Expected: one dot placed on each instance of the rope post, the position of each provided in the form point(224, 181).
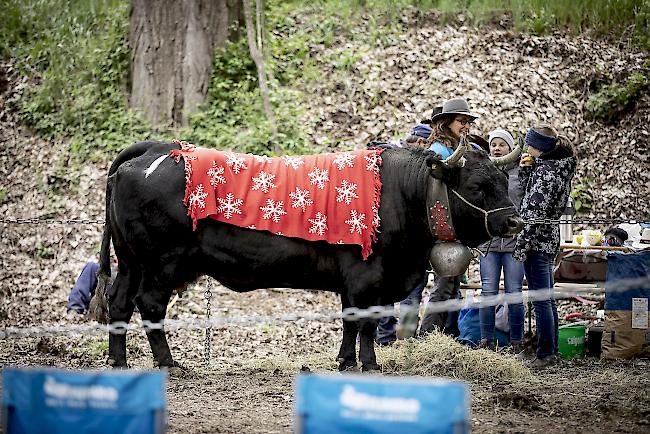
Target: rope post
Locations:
point(208, 327)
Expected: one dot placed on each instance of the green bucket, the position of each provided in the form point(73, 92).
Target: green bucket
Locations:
point(571, 342)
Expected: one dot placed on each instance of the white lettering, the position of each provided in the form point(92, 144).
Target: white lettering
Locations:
point(67, 391)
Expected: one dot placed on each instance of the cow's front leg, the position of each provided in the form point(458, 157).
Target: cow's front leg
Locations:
point(367, 356)
point(348, 353)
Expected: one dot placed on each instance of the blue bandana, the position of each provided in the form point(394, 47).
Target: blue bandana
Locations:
point(421, 130)
point(539, 141)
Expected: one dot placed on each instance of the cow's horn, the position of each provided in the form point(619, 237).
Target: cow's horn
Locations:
point(511, 157)
point(454, 158)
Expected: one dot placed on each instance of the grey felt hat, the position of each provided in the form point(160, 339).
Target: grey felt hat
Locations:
point(456, 106)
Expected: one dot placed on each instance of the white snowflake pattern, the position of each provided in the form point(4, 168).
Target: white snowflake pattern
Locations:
point(188, 168)
point(374, 161)
point(343, 160)
point(318, 224)
point(346, 192)
point(375, 217)
point(229, 205)
point(216, 174)
point(236, 162)
point(263, 181)
point(273, 210)
point(197, 198)
point(261, 158)
point(294, 162)
point(252, 227)
point(300, 199)
point(356, 222)
point(319, 177)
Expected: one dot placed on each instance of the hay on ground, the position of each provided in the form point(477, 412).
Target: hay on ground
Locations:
point(439, 355)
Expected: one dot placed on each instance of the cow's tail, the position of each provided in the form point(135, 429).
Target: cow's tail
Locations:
point(98, 309)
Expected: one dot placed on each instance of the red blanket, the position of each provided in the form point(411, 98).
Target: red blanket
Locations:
point(330, 197)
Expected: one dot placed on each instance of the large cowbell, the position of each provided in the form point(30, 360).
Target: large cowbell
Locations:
point(450, 259)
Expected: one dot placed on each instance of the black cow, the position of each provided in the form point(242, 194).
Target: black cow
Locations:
point(158, 251)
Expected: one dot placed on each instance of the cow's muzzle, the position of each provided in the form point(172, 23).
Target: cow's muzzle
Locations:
point(514, 225)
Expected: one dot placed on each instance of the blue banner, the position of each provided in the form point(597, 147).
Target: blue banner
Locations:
point(59, 401)
point(358, 404)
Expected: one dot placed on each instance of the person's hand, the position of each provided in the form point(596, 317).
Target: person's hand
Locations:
point(526, 160)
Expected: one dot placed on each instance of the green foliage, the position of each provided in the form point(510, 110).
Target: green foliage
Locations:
point(75, 54)
point(627, 20)
point(3, 195)
point(582, 197)
point(43, 251)
point(233, 117)
point(613, 101)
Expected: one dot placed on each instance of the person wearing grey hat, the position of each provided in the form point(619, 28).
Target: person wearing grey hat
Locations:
point(452, 122)
point(449, 124)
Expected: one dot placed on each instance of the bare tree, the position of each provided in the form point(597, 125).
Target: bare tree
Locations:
point(172, 44)
point(255, 48)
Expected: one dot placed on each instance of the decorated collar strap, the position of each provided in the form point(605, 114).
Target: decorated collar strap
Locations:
point(440, 222)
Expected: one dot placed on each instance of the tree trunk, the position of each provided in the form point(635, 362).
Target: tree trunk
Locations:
point(258, 58)
point(172, 47)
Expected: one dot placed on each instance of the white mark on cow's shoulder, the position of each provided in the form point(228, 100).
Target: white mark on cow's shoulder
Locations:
point(154, 165)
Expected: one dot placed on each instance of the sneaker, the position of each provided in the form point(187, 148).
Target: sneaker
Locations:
point(544, 362)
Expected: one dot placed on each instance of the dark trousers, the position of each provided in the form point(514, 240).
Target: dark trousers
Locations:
point(539, 274)
point(409, 307)
point(445, 288)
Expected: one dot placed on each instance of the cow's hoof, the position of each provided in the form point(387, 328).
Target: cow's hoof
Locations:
point(371, 369)
point(175, 370)
point(115, 365)
point(348, 366)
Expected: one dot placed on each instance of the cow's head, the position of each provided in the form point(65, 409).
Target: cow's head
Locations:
point(478, 194)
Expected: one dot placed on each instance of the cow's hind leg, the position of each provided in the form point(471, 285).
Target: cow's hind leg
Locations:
point(152, 302)
point(347, 357)
point(120, 309)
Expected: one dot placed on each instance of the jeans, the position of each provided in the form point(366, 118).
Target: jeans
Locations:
point(386, 332)
point(445, 288)
point(539, 274)
point(513, 276)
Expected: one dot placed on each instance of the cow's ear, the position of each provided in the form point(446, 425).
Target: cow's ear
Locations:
point(436, 167)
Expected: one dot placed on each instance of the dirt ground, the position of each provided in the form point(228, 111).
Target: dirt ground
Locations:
point(248, 387)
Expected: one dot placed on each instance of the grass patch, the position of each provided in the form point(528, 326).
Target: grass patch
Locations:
point(626, 20)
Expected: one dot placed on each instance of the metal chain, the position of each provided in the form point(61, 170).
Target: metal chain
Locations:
point(208, 328)
point(349, 314)
point(37, 221)
point(583, 221)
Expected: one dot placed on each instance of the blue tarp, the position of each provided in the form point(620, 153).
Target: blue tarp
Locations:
point(626, 266)
point(59, 401)
point(356, 404)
